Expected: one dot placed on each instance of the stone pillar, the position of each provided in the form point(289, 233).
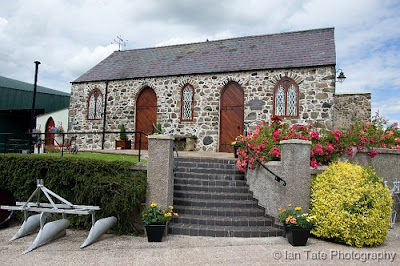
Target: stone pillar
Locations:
point(295, 159)
point(160, 177)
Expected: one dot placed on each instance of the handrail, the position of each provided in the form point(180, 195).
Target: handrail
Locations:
point(277, 178)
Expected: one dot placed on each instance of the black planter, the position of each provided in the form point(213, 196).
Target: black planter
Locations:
point(298, 236)
point(155, 232)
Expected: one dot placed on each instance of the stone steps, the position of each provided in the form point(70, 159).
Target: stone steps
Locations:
point(213, 199)
point(224, 231)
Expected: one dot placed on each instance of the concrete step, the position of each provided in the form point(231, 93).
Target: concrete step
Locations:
point(211, 176)
point(207, 182)
point(224, 231)
point(208, 165)
point(219, 211)
point(209, 203)
point(223, 221)
point(180, 169)
point(213, 195)
point(187, 187)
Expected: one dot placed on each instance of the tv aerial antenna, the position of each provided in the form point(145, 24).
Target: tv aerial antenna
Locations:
point(121, 42)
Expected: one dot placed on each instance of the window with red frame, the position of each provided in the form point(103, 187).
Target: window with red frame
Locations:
point(95, 104)
point(187, 103)
point(286, 98)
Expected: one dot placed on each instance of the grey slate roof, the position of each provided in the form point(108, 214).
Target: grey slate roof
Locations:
point(275, 51)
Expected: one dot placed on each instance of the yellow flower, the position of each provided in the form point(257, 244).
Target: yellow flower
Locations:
point(175, 214)
point(233, 143)
point(153, 205)
point(298, 208)
point(171, 207)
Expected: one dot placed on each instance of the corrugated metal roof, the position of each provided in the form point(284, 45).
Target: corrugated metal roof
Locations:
point(19, 85)
point(17, 95)
point(274, 51)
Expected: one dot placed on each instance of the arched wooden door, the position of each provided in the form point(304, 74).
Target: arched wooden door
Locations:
point(49, 137)
point(231, 116)
point(146, 115)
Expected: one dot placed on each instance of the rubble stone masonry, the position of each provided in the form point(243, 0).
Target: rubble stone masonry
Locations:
point(316, 103)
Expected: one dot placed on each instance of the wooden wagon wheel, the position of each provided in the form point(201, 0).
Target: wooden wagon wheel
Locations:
point(6, 198)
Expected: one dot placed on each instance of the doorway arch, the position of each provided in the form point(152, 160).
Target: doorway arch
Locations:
point(49, 136)
point(231, 115)
point(146, 115)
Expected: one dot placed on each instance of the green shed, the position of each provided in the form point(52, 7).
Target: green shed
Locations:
point(16, 103)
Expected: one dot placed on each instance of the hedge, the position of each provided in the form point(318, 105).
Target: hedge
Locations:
point(350, 204)
point(114, 186)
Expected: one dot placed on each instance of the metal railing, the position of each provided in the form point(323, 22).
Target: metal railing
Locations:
point(26, 142)
point(277, 178)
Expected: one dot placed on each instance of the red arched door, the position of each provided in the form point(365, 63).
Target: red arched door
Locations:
point(146, 115)
point(231, 115)
point(49, 137)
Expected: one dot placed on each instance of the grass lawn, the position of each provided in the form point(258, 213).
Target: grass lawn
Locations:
point(98, 156)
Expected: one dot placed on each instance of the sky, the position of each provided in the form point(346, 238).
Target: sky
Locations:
point(69, 37)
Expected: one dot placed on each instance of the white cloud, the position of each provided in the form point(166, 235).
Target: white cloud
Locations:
point(70, 37)
point(196, 38)
point(389, 108)
point(87, 58)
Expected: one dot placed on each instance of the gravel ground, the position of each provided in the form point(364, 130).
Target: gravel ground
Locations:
point(185, 250)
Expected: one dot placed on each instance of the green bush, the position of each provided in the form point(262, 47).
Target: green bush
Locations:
point(114, 186)
point(351, 205)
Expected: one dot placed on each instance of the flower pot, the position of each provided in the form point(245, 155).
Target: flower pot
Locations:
point(155, 232)
point(123, 144)
point(298, 236)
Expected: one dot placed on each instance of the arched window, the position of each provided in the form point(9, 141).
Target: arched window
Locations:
point(286, 98)
point(187, 103)
point(95, 104)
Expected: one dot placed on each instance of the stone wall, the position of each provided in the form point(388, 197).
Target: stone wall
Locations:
point(386, 165)
point(316, 100)
point(294, 168)
point(350, 108)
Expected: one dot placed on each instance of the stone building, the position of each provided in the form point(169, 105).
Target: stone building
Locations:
point(210, 91)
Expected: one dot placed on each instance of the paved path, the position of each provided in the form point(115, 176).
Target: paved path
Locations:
point(193, 154)
point(185, 250)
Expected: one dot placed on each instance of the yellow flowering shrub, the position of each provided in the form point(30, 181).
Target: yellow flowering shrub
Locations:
point(351, 205)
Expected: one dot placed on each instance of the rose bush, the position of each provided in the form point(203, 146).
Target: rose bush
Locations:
point(327, 145)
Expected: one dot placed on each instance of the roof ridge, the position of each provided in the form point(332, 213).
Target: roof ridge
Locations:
point(228, 39)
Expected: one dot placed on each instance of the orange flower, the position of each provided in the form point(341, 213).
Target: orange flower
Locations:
point(144, 214)
point(293, 220)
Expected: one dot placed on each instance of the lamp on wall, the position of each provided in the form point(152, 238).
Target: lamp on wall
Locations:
point(341, 77)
